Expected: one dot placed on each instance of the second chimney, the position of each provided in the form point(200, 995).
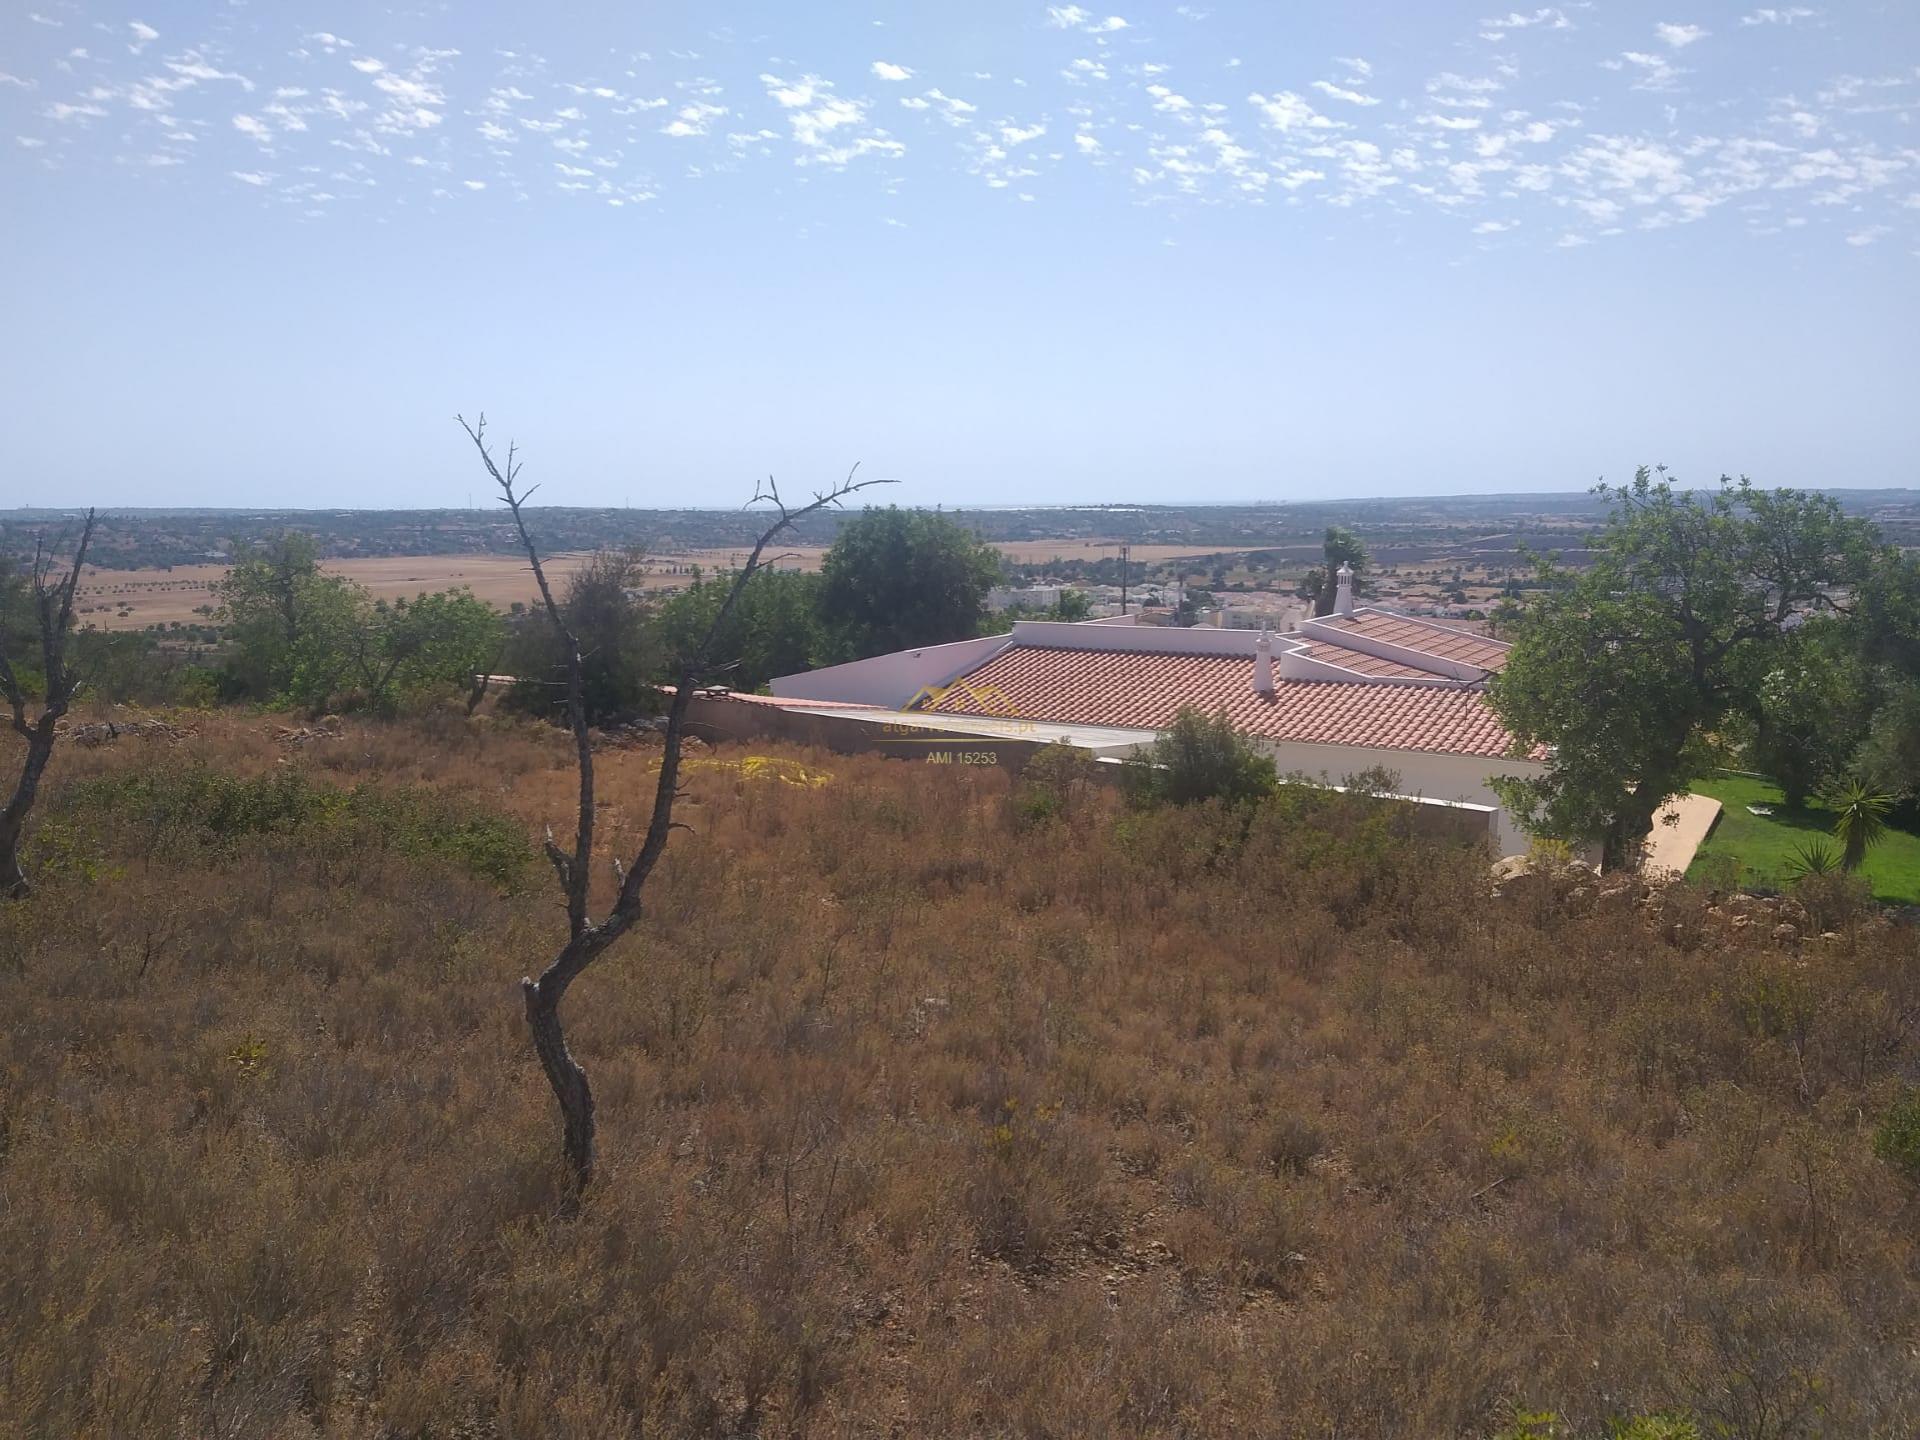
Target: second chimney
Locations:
point(1263, 664)
point(1343, 597)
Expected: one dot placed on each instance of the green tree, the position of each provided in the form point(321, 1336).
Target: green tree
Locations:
point(1339, 546)
point(771, 629)
point(1887, 626)
point(897, 579)
point(409, 648)
point(1198, 757)
point(1629, 669)
point(294, 632)
point(621, 653)
point(1808, 712)
point(1073, 605)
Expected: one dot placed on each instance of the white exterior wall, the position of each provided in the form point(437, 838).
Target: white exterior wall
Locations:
point(890, 680)
point(1431, 777)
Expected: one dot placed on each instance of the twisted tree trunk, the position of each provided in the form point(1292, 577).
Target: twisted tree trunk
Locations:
point(586, 939)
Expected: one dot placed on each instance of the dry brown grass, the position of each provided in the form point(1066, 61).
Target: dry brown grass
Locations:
point(916, 1121)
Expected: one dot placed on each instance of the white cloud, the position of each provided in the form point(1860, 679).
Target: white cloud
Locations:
point(194, 69)
point(1869, 235)
point(367, 65)
point(691, 120)
point(1361, 69)
point(1679, 36)
point(1551, 19)
point(1072, 17)
point(1014, 135)
point(252, 177)
point(474, 184)
point(1791, 16)
point(1495, 227)
point(63, 112)
point(886, 70)
point(1651, 72)
point(1288, 111)
point(253, 127)
point(832, 129)
point(143, 36)
point(1352, 97)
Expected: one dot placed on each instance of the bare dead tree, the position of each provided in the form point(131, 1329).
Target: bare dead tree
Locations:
point(53, 610)
point(588, 938)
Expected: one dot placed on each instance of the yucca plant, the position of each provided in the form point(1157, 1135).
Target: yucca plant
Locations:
point(1813, 857)
point(1860, 820)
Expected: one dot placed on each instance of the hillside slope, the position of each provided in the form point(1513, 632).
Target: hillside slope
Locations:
point(918, 1117)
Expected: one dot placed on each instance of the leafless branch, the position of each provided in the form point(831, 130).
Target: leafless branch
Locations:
point(587, 938)
point(53, 608)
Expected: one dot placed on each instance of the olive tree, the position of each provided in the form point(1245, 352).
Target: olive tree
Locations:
point(1627, 671)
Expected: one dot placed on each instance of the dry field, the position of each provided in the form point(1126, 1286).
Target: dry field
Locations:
point(135, 599)
point(919, 1117)
point(1034, 552)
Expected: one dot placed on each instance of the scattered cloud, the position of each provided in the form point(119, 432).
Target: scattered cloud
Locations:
point(1679, 36)
point(1352, 97)
point(1288, 111)
point(1499, 145)
point(691, 120)
point(1072, 17)
point(1547, 19)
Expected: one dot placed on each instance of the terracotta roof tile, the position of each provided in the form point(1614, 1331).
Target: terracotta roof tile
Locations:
point(1362, 663)
point(1441, 640)
point(1145, 691)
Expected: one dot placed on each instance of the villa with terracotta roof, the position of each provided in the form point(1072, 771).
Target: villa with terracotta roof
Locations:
point(1361, 689)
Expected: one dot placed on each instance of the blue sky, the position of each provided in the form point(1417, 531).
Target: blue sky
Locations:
point(1002, 252)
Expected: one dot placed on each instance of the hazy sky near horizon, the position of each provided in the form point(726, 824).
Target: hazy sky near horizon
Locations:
point(1000, 251)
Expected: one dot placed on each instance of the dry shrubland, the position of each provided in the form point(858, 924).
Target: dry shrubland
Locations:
point(922, 1112)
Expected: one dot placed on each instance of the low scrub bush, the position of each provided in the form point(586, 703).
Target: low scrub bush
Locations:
point(197, 806)
point(1897, 1138)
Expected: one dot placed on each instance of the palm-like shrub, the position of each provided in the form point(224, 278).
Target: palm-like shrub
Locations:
point(1860, 820)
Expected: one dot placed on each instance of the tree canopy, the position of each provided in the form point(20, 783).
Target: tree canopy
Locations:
point(896, 579)
point(1340, 546)
point(1630, 669)
point(301, 636)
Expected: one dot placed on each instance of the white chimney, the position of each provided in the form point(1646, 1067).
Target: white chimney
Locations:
point(1263, 664)
point(1343, 597)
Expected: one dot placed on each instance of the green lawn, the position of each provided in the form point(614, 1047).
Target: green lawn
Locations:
point(1765, 845)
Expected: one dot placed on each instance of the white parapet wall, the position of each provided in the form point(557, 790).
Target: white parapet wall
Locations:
point(1452, 778)
point(891, 680)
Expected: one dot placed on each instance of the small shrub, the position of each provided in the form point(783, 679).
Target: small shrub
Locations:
point(1054, 786)
point(1812, 858)
point(1199, 757)
point(1833, 900)
point(1897, 1140)
point(201, 808)
point(1663, 1426)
